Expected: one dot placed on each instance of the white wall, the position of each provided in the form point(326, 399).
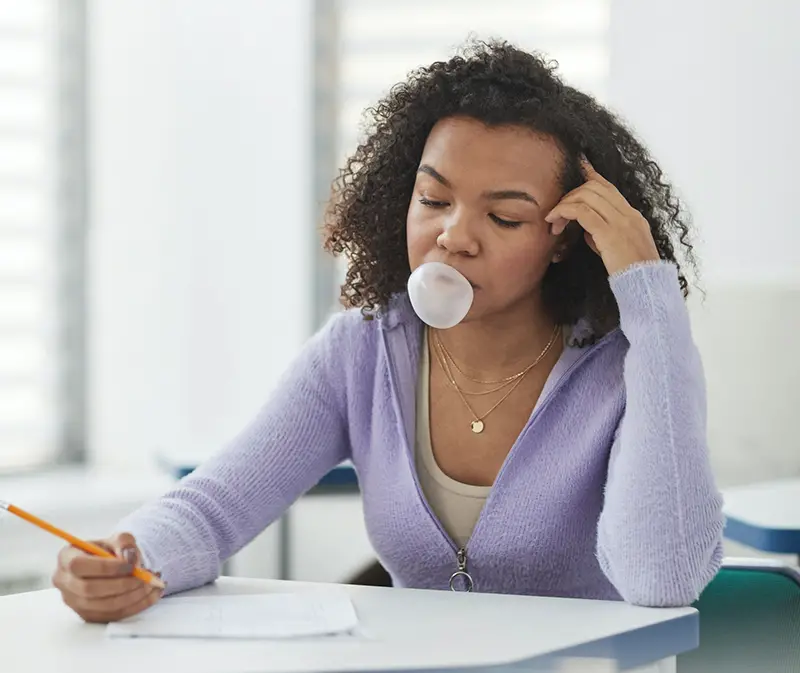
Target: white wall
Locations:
point(201, 240)
point(712, 87)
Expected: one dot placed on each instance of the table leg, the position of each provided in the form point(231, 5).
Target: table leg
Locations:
point(284, 546)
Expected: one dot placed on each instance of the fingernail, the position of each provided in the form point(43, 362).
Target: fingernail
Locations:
point(129, 555)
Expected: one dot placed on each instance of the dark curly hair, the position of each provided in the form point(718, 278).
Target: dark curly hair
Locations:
point(497, 84)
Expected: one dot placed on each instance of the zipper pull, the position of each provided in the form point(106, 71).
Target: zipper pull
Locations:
point(466, 578)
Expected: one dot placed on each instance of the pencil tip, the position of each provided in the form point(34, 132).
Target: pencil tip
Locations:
point(3, 504)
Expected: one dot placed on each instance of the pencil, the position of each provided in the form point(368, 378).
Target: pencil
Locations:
point(88, 547)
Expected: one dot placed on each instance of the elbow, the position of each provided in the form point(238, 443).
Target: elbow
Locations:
point(666, 581)
point(654, 595)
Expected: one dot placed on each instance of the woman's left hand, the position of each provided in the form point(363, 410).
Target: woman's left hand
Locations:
point(613, 228)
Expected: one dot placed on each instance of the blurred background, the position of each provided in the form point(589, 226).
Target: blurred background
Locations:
point(163, 166)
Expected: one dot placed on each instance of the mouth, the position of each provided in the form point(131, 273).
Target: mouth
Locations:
point(474, 286)
point(446, 279)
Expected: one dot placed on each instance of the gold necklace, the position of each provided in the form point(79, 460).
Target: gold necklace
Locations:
point(443, 363)
point(506, 380)
point(478, 425)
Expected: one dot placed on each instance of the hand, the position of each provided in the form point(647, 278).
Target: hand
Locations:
point(102, 589)
point(613, 228)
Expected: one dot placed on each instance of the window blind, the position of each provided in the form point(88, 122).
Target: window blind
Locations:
point(40, 73)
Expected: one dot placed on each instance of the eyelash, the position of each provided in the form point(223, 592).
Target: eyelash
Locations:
point(498, 220)
point(505, 223)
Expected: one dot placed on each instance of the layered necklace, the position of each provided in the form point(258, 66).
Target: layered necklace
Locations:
point(449, 364)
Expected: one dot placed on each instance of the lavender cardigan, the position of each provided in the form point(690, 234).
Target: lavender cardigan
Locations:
point(607, 493)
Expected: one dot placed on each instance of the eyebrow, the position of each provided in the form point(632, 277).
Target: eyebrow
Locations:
point(498, 195)
point(436, 175)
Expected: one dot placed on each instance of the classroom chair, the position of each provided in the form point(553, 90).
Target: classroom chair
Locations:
point(749, 620)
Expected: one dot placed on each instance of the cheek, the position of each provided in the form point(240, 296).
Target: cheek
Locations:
point(521, 267)
point(420, 238)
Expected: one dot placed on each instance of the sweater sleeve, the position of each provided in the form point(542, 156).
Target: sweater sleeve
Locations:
point(298, 435)
point(660, 530)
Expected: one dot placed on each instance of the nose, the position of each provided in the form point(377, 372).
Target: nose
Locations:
point(457, 236)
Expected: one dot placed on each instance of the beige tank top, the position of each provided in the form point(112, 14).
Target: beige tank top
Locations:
point(455, 504)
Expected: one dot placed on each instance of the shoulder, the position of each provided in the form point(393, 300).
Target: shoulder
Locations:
point(355, 323)
point(354, 337)
point(346, 332)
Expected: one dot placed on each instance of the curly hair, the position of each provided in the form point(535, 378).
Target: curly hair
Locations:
point(499, 85)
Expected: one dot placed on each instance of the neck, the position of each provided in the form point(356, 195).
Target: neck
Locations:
point(502, 344)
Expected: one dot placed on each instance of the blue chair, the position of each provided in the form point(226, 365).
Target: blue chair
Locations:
point(749, 620)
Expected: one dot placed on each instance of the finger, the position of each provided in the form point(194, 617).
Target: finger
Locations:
point(610, 192)
point(590, 173)
point(590, 242)
point(108, 604)
point(150, 599)
point(95, 616)
point(97, 588)
point(586, 216)
point(558, 226)
point(607, 192)
point(77, 562)
point(124, 547)
point(596, 202)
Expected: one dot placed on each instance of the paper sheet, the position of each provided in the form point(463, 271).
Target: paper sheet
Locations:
point(261, 616)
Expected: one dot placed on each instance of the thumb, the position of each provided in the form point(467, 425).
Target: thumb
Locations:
point(124, 547)
point(558, 225)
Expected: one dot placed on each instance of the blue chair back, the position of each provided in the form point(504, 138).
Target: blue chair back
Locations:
point(749, 621)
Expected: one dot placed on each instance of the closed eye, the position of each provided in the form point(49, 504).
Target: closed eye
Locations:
point(504, 223)
point(433, 204)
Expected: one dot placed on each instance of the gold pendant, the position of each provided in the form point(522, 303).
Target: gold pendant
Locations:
point(477, 427)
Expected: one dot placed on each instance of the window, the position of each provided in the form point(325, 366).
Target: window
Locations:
point(365, 46)
point(42, 221)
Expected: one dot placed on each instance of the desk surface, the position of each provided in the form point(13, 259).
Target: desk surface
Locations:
point(403, 630)
point(765, 516)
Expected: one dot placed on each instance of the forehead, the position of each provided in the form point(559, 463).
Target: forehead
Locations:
point(467, 151)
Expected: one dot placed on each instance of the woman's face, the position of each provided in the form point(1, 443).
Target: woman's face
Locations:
point(479, 202)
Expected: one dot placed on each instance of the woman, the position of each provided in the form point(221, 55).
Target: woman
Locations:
point(553, 442)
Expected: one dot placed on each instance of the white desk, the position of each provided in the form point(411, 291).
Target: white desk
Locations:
point(405, 630)
point(765, 516)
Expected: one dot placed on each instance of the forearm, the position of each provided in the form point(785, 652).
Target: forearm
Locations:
point(659, 535)
point(295, 439)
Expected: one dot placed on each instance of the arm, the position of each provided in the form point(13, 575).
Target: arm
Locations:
point(294, 440)
point(660, 530)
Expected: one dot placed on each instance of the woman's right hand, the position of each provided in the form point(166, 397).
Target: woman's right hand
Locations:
point(100, 589)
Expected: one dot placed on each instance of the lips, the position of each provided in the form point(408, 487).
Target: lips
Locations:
point(474, 285)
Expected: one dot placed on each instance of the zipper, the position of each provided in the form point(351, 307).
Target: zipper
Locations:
point(461, 574)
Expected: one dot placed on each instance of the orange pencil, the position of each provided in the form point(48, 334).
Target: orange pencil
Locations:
point(88, 547)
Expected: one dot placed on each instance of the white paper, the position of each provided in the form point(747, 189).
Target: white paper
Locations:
point(260, 616)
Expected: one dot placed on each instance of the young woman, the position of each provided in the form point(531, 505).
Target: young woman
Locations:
point(551, 443)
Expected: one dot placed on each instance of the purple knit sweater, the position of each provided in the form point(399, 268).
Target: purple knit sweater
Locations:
point(607, 493)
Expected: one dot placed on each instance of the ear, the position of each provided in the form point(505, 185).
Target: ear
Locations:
point(567, 241)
